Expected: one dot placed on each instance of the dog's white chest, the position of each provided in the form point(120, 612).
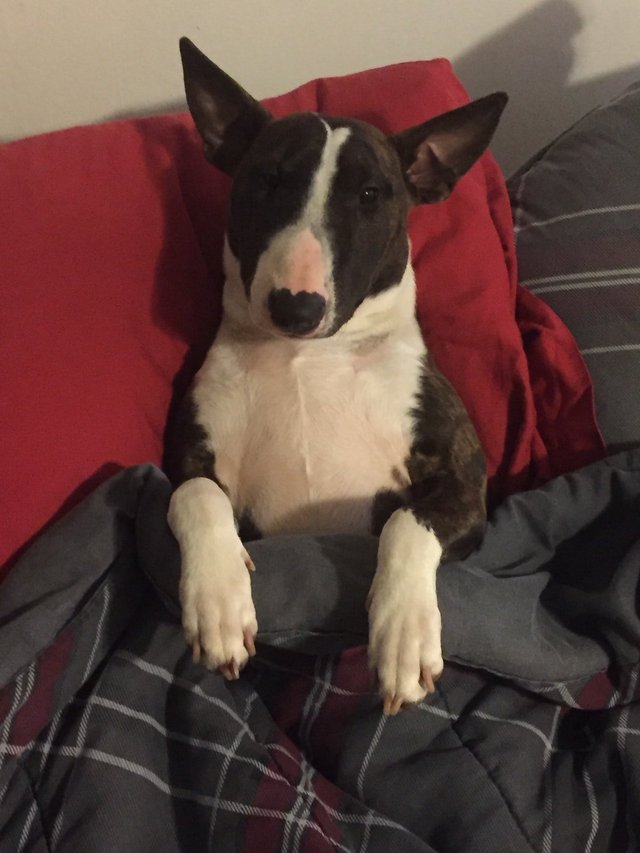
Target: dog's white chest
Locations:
point(305, 434)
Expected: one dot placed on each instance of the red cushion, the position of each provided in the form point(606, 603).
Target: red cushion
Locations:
point(110, 244)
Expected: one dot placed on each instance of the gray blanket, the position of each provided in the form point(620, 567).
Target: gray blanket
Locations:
point(112, 739)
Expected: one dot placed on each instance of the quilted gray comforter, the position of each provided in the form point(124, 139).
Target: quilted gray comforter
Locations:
point(112, 739)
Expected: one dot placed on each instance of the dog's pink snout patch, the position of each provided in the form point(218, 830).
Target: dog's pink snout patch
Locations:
point(299, 304)
point(305, 268)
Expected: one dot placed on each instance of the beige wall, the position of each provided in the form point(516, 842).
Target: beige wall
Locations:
point(65, 62)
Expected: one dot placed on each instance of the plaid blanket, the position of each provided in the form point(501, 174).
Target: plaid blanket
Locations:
point(112, 739)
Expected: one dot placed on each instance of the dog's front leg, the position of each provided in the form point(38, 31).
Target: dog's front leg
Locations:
point(218, 615)
point(404, 619)
point(444, 521)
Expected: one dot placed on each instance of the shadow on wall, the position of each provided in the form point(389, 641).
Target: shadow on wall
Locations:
point(531, 59)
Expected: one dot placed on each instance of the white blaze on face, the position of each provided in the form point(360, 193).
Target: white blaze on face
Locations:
point(299, 258)
point(304, 264)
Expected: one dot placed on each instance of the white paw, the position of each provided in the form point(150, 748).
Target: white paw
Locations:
point(404, 645)
point(218, 615)
point(404, 620)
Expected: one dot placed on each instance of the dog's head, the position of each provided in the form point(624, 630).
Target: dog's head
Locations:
point(318, 208)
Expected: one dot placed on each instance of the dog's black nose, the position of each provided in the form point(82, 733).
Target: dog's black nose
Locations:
point(296, 313)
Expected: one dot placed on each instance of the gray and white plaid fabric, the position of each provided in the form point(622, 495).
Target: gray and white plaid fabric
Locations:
point(111, 739)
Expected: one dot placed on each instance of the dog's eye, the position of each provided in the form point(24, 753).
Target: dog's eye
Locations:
point(369, 195)
point(270, 177)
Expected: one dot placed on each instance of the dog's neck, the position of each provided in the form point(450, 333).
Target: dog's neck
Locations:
point(386, 313)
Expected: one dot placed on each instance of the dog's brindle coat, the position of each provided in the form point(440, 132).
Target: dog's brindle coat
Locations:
point(318, 408)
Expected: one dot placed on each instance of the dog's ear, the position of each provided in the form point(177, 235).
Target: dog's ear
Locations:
point(435, 154)
point(227, 118)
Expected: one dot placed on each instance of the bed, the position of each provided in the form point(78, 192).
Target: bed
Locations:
point(111, 737)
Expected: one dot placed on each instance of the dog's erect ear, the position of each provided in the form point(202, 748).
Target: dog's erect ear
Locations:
point(435, 154)
point(228, 118)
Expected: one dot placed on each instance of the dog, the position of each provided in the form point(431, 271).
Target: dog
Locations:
point(318, 408)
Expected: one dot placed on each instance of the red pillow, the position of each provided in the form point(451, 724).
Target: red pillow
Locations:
point(110, 245)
